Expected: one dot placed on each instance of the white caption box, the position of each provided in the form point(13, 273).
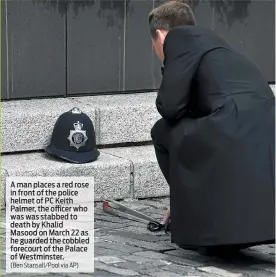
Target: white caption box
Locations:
point(50, 224)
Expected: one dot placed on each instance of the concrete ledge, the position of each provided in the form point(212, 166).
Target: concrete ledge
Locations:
point(27, 125)
point(128, 172)
point(111, 174)
point(147, 176)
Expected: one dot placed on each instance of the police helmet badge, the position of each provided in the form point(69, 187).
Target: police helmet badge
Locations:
point(78, 136)
point(76, 111)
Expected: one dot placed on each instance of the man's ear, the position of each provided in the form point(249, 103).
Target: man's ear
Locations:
point(161, 35)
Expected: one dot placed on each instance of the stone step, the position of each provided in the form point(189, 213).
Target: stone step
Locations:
point(119, 173)
point(27, 124)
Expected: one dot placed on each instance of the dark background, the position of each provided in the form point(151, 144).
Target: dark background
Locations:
point(59, 48)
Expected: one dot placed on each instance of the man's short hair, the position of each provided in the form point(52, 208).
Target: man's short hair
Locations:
point(170, 14)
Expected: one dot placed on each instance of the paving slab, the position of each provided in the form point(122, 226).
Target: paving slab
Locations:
point(116, 270)
point(219, 271)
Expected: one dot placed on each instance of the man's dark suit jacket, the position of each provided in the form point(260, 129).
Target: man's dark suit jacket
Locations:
point(220, 110)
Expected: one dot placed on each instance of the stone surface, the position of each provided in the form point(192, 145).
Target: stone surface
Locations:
point(129, 172)
point(111, 174)
point(148, 178)
point(108, 259)
point(28, 124)
point(122, 261)
point(119, 271)
point(156, 246)
point(122, 248)
point(165, 274)
point(219, 271)
point(124, 118)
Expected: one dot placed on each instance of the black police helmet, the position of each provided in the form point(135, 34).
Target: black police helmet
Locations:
point(73, 138)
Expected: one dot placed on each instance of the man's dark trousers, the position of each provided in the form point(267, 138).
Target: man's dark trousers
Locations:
point(160, 138)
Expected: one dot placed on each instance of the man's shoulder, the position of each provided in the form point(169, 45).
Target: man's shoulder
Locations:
point(195, 36)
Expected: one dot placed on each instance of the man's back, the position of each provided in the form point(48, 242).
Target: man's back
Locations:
point(220, 72)
point(224, 74)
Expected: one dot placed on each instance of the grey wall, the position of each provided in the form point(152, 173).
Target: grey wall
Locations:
point(249, 26)
point(33, 56)
point(63, 48)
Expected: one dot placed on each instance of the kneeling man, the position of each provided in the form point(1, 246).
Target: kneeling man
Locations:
point(215, 141)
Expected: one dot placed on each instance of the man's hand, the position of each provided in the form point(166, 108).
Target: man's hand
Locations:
point(167, 215)
point(164, 224)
